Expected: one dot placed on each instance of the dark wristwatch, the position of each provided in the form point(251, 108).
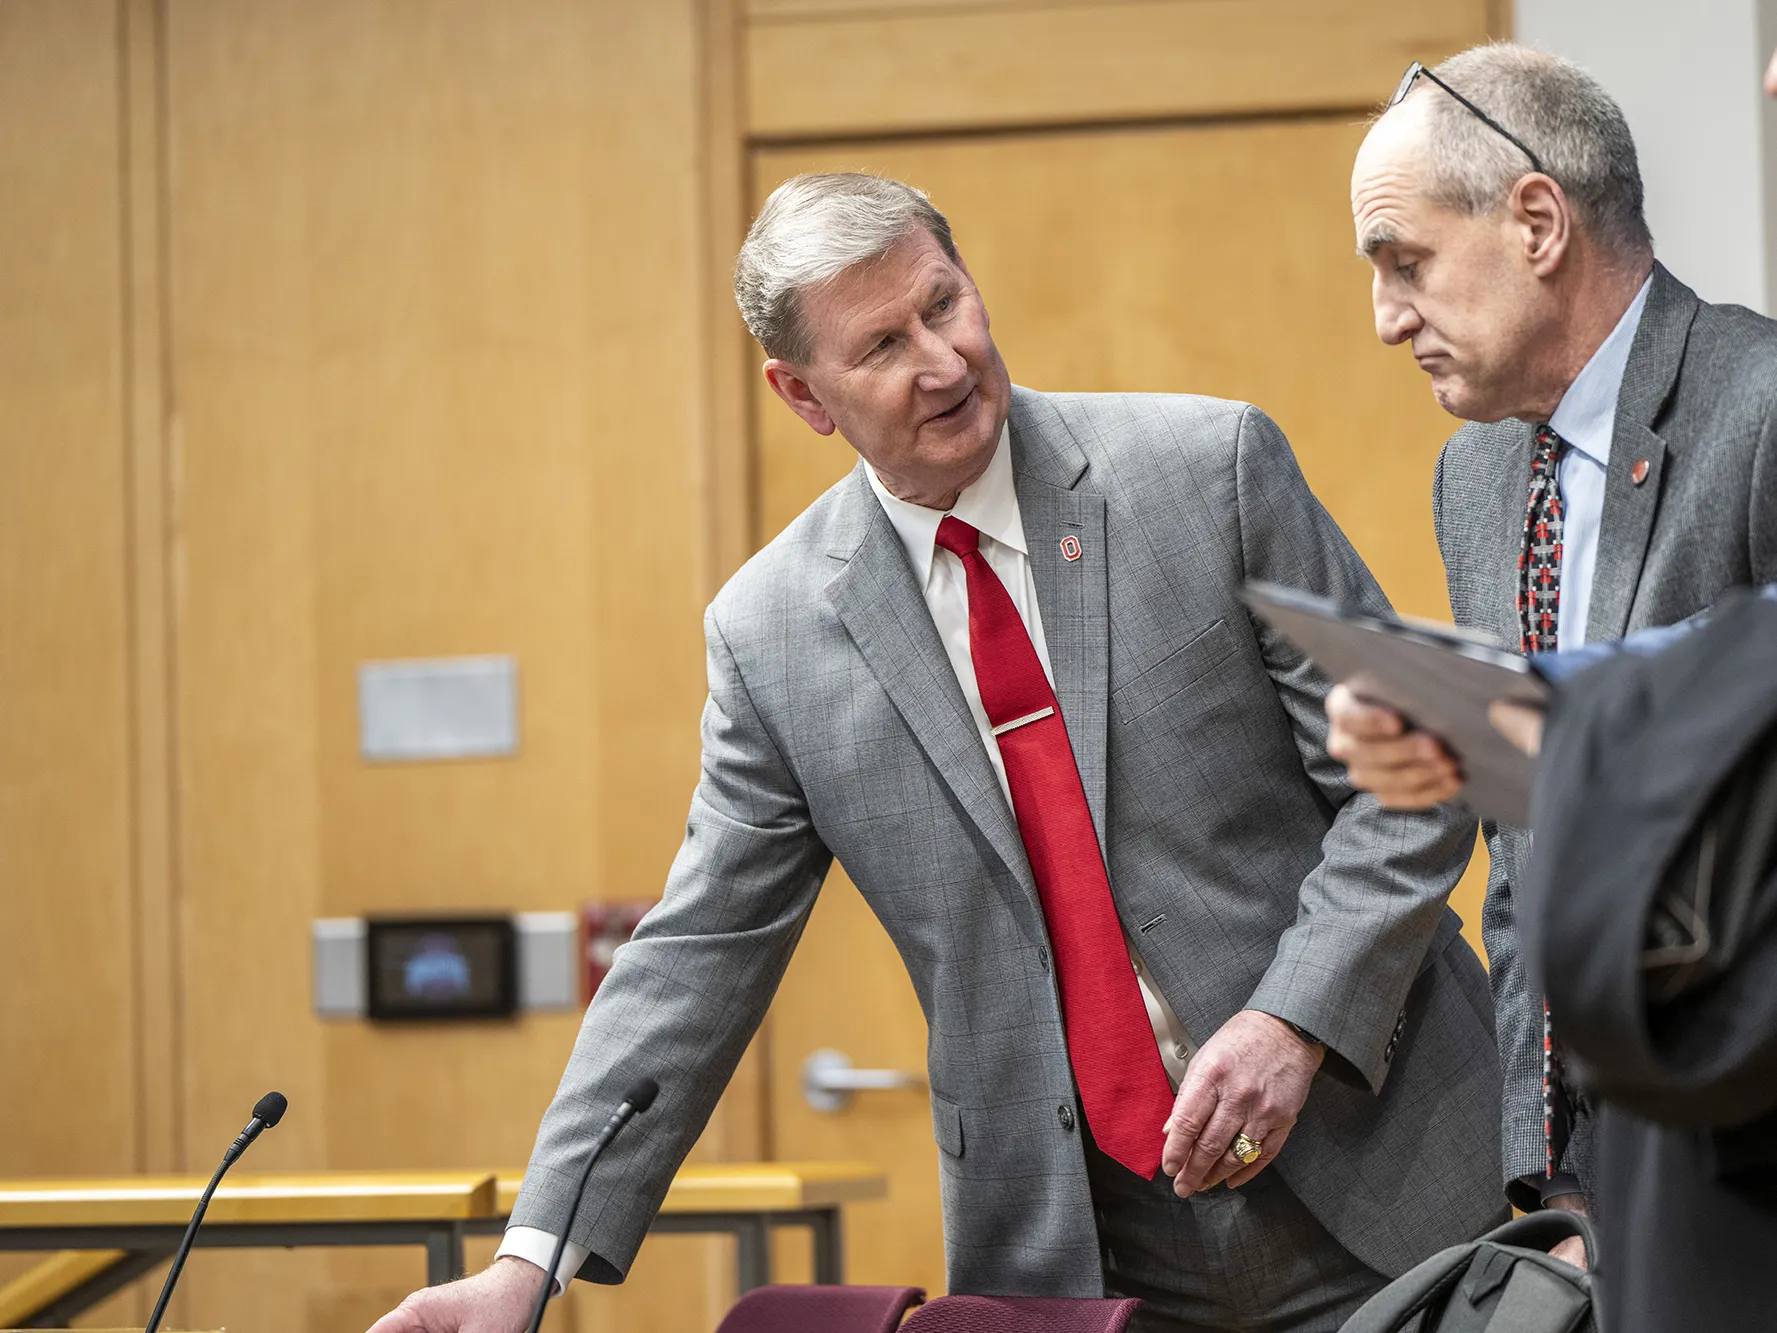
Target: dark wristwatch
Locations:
point(1304, 1034)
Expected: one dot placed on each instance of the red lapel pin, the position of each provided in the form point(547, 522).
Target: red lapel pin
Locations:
point(1638, 473)
point(1070, 548)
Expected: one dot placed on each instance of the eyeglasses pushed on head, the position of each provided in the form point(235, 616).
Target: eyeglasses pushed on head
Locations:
point(1412, 76)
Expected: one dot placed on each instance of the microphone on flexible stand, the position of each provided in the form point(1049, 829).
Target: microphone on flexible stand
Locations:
point(267, 1111)
point(638, 1099)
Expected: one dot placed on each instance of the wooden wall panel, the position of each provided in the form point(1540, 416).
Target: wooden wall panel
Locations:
point(1499, 12)
point(160, 990)
point(794, 10)
point(68, 937)
point(439, 392)
point(885, 70)
point(728, 352)
point(247, 684)
point(65, 895)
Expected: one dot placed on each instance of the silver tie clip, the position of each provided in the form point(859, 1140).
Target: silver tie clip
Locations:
point(1024, 721)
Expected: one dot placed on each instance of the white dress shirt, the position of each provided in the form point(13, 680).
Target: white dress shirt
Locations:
point(989, 505)
point(1586, 418)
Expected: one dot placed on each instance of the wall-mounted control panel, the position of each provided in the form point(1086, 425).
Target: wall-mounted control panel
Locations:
point(443, 967)
point(440, 967)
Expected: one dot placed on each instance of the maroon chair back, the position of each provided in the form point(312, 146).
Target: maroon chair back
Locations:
point(808, 1309)
point(1021, 1314)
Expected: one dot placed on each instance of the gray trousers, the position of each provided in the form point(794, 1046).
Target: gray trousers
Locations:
point(1252, 1260)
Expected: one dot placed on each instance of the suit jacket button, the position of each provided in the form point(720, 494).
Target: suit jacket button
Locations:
point(1043, 956)
point(1065, 1114)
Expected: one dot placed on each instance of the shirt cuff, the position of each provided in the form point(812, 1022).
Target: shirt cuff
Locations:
point(1529, 1193)
point(536, 1247)
point(1553, 1187)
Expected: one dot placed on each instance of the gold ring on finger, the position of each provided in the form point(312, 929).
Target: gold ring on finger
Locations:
point(1246, 1150)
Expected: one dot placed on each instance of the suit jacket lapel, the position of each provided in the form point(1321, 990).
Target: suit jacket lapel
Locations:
point(1627, 526)
point(1511, 503)
point(1072, 595)
point(884, 611)
point(1629, 509)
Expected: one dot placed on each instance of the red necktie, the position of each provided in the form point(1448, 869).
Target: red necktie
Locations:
point(1110, 1041)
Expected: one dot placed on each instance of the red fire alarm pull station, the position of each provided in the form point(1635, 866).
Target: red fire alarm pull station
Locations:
point(603, 927)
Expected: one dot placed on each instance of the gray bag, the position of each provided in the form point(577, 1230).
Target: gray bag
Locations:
point(1505, 1282)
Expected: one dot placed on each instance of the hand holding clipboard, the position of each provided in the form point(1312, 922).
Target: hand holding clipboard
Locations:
point(1441, 679)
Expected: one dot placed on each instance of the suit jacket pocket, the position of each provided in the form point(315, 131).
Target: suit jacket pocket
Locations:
point(947, 1125)
point(1173, 674)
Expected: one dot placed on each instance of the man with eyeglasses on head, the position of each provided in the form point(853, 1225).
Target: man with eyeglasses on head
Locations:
point(1618, 469)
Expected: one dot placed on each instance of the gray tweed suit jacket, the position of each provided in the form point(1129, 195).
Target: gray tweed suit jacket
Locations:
point(1248, 869)
point(1699, 405)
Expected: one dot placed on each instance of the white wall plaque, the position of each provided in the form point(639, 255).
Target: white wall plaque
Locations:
point(438, 708)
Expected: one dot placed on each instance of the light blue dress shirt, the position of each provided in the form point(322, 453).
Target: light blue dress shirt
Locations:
point(1586, 418)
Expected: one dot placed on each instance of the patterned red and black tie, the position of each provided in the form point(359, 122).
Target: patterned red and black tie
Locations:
point(1539, 559)
point(1539, 618)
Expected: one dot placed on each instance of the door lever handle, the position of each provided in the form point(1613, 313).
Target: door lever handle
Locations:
point(829, 1081)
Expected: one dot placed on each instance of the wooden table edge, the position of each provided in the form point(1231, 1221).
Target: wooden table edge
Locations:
point(297, 1198)
point(751, 1187)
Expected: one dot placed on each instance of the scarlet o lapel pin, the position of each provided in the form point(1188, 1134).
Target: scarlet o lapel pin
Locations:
point(1638, 473)
point(1070, 548)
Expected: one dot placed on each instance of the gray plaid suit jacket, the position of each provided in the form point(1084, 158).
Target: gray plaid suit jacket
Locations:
point(1248, 869)
point(1699, 404)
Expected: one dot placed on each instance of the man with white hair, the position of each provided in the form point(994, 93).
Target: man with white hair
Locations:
point(1003, 674)
point(1620, 466)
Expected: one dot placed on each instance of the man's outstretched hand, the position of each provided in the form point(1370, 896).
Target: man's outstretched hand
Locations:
point(498, 1299)
point(1251, 1078)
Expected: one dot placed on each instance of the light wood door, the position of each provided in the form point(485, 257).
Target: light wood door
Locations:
point(1212, 259)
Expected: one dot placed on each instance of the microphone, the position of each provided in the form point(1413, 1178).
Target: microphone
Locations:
point(267, 1111)
point(638, 1099)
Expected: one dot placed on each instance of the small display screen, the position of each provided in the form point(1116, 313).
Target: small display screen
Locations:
point(461, 967)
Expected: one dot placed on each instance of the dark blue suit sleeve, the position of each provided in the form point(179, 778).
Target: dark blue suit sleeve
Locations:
point(1566, 665)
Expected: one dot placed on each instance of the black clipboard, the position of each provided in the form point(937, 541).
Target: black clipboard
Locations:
point(1440, 678)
